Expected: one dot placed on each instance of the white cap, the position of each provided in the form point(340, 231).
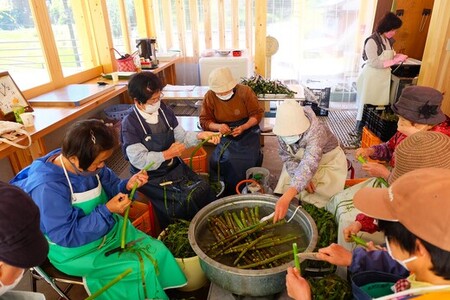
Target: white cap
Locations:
point(221, 80)
point(290, 119)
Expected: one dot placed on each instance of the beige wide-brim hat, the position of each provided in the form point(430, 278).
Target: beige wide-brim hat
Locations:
point(221, 80)
point(419, 200)
point(290, 119)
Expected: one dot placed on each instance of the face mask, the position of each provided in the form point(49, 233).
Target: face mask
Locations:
point(401, 262)
point(291, 139)
point(152, 108)
point(5, 288)
point(85, 173)
point(225, 97)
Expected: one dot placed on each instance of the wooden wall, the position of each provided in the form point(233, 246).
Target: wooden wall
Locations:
point(411, 37)
point(435, 69)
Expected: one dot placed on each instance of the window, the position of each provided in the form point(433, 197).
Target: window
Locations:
point(122, 20)
point(48, 44)
point(320, 43)
point(21, 53)
point(71, 35)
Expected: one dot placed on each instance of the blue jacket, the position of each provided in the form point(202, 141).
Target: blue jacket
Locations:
point(61, 222)
point(378, 260)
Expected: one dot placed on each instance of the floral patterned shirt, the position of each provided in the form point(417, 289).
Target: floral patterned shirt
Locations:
point(385, 151)
point(315, 141)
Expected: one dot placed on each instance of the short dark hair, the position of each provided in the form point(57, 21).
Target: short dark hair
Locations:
point(86, 139)
point(143, 85)
point(396, 231)
point(389, 22)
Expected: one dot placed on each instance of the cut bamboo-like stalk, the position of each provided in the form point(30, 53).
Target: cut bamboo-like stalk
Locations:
point(109, 284)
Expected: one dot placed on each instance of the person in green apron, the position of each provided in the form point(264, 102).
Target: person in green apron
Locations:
point(80, 200)
point(374, 81)
point(314, 165)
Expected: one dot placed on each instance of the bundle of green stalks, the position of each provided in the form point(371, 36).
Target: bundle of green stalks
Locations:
point(246, 243)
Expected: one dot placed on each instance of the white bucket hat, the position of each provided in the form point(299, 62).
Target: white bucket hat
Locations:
point(290, 119)
point(221, 80)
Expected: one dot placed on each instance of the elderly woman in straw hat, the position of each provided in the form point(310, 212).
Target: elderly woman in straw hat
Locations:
point(314, 164)
point(233, 110)
point(420, 150)
point(415, 152)
point(418, 109)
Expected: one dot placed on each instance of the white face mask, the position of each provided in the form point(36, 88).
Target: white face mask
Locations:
point(291, 139)
point(152, 108)
point(401, 262)
point(5, 288)
point(226, 97)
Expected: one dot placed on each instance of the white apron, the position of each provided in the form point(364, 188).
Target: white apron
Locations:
point(374, 85)
point(328, 180)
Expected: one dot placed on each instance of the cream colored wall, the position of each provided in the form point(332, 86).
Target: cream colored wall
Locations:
point(435, 69)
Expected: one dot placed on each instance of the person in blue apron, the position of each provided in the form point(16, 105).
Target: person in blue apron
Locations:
point(314, 165)
point(151, 133)
point(374, 82)
point(22, 244)
point(233, 110)
point(80, 200)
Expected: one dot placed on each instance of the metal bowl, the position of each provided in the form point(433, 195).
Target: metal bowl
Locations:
point(223, 52)
point(246, 282)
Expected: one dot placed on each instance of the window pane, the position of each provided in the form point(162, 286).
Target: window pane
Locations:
point(118, 35)
point(74, 55)
point(20, 51)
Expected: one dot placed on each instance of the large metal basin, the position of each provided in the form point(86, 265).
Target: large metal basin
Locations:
point(239, 281)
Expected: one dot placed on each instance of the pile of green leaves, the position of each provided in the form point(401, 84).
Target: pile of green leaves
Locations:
point(327, 230)
point(326, 224)
point(175, 238)
point(262, 86)
point(330, 287)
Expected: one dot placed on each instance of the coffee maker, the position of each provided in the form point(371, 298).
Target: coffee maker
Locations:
point(147, 53)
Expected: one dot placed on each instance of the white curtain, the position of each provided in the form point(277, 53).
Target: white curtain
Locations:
point(320, 43)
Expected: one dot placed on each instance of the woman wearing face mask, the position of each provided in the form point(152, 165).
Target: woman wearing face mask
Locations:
point(80, 201)
point(22, 244)
point(418, 109)
point(314, 164)
point(151, 133)
point(373, 85)
point(233, 110)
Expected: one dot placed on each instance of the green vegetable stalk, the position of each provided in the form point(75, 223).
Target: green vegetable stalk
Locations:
point(358, 241)
point(296, 260)
point(198, 148)
point(109, 284)
point(127, 211)
point(361, 159)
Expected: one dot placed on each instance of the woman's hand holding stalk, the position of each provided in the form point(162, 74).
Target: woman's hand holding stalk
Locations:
point(127, 212)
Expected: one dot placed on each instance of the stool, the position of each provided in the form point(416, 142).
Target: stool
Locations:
point(350, 169)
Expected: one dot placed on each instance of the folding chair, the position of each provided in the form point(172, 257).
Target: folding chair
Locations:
point(53, 277)
point(142, 217)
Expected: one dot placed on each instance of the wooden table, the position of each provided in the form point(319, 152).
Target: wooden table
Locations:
point(194, 93)
point(47, 120)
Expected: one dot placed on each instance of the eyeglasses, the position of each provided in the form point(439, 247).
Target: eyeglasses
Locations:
point(153, 100)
